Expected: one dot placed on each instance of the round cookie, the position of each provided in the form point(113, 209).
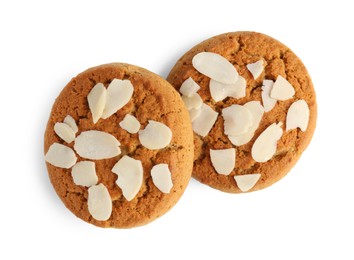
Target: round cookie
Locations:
point(153, 98)
point(242, 49)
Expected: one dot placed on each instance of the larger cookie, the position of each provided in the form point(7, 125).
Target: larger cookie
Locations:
point(253, 109)
point(119, 146)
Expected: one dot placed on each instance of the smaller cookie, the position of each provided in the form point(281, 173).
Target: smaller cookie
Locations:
point(119, 146)
point(252, 106)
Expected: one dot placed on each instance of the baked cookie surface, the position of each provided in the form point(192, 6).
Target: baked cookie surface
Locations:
point(152, 102)
point(260, 60)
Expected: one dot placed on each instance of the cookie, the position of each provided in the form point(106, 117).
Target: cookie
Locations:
point(253, 109)
point(119, 146)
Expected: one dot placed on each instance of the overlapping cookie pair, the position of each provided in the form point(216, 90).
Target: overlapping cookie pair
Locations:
point(121, 143)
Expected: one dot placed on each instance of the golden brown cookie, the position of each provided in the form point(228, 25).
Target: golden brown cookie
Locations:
point(275, 61)
point(152, 98)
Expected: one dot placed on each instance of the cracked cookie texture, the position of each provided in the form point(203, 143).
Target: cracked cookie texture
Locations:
point(153, 99)
point(242, 48)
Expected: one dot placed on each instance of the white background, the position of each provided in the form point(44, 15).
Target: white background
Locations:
point(307, 215)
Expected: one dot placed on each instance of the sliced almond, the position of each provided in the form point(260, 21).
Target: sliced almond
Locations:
point(161, 177)
point(298, 116)
point(156, 135)
point(99, 202)
point(223, 160)
point(247, 181)
point(256, 68)
point(219, 90)
point(282, 89)
point(194, 101)
point(130, 176)
point(194, 113)
point(71, 122)
point(65, 132)
point(130, 124)
point(237, 120)
point(239, 140)
point(257, 111)
point(238, 89)
point(268, 102)
point(205, 121)
point(84, 173)
point(96, 145)
point(60, 156)
point(97, 101)
point(119, 92)
point(189, 87)
point(265, 145)
point(215, 67)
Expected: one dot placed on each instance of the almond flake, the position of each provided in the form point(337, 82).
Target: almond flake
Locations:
point(99, 202)
point(97, 101)
point(223, 160)
point(247, 181)
point(119, 92)
point(238, 120)
point(256, 68)
point(215, 67)
point(60, 156)
point(265, 145)
point(257, 111)
point(282, 89)
point(161, 177)
point(84, 173)
point(239, 140)
point(155, 136)
point(268, 102)
point(130, 176)
point(219, 90)
point(96, 145)
point(194, 113)
point(194, 101)
point(298, 116)
point(65, 132)
point(130, 124)
point(205, 121)
point(189, 87)
point(71, 122)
